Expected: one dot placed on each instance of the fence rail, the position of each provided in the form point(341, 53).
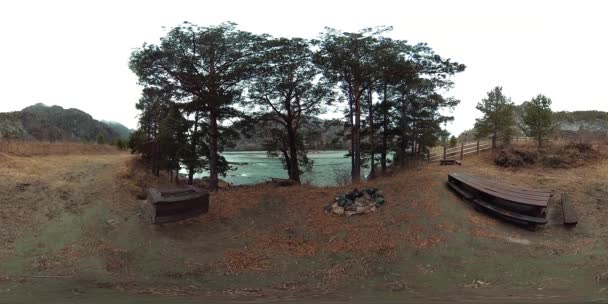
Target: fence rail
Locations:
point(438, 153)
point(459, 152)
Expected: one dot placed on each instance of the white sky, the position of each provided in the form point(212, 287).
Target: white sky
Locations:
point(75, 53)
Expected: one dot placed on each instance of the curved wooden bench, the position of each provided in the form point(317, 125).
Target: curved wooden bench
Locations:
point(510, 214)
point(508, 201)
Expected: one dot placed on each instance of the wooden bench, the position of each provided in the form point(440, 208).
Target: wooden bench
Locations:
point(508, 201)
point(570, 218)
point(510, 214)
point(463, 193)
point(449, 162)
point(169, 205)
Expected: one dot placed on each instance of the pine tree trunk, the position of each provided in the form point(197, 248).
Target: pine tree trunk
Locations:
point(384, 130)
point(288, 162)
point(213, 156)
point(403, 145)
point(356, 169)
point(372, 171)
point(293, 151)
point(194, 142)
point(352, 132)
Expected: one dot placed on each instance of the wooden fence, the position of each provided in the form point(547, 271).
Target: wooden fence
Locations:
point(475, 147)
point(460, 152)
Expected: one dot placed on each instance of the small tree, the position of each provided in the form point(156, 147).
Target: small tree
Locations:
point(537, 118)
point(120, 144)
point(453, 141)
point(444, 137)
point(497, 117)
point(100, 139)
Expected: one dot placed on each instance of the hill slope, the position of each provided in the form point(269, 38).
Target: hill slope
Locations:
point(119, 128)
point(567, 122)
point(54, 123)
point(595, 121)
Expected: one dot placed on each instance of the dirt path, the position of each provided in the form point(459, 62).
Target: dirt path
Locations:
point(72, 228)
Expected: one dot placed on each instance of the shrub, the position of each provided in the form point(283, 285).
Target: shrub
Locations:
point(342, 176)
point(516, 157)
point(566, 156)
point(100, 139)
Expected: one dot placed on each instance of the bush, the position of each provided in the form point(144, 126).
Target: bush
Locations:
point(342, 176)
point(100, 139)
point(516, 157)
point(120, 144)
point(567, 156)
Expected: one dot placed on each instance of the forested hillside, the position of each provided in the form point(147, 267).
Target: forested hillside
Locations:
point(317, 134)
point(596, 121)
point(54, 123)
point(565, 122)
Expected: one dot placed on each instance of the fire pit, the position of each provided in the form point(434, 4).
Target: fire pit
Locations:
point(356, 202)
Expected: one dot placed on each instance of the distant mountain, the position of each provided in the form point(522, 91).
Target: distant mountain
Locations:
point(119, 128)
point(54, 123)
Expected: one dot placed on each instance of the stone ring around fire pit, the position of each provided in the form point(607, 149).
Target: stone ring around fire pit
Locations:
point(356, 202)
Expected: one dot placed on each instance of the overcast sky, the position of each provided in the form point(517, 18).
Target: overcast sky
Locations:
point(75, 53)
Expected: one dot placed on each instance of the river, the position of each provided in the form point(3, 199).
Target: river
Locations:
point(255, 167)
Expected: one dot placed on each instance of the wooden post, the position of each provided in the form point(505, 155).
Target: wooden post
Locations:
point(428, 155)
point(478, 147)
point(461, 151)
point(443, 151)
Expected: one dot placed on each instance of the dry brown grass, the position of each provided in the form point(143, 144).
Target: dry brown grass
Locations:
point(560, 154)
point(38, 148)
point(302, 229)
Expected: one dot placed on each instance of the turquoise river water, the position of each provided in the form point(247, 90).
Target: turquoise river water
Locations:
point(255, 167)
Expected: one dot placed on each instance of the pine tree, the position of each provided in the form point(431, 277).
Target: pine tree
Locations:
point(453, 141)
point(205, 68)
point(288, 92)
point(537, 118)
point(497, 117)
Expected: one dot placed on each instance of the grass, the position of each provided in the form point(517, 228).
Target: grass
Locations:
point(265, 241)
point(38, 148)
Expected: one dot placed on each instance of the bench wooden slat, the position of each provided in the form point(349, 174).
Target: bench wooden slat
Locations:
point(465, 194)
point(495, 187)
point(570, 217)
point(512, 198)
point(510, 214)
point(507, 186)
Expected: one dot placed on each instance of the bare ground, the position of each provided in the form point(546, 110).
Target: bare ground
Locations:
point(72, 228)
